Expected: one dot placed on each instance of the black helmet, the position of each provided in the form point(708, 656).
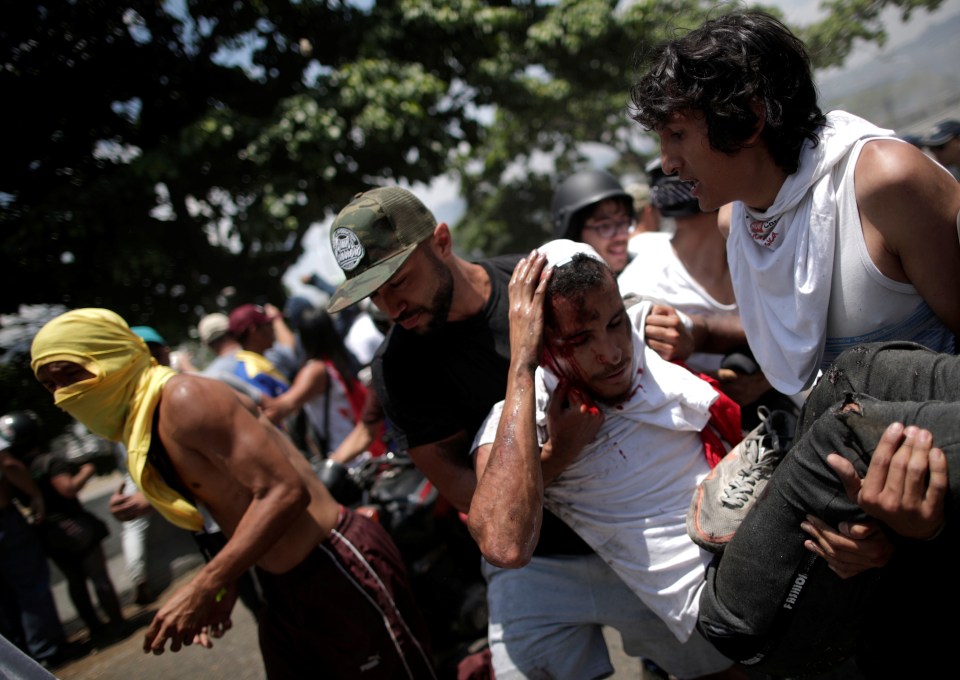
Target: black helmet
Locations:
point(669, 194)
point(21, 429)
point(579, 191)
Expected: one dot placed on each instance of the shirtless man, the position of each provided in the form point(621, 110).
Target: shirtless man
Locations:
point(334, 583)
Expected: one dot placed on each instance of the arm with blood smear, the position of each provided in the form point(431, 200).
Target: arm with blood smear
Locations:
point(506, 510)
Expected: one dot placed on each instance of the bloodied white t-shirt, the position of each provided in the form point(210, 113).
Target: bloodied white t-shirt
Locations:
point(627, 492)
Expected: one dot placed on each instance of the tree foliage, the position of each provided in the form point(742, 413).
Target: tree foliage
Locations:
point(160, 152)
point(570, 89)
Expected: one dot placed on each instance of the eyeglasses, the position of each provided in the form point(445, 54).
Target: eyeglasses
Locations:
point(611, 229)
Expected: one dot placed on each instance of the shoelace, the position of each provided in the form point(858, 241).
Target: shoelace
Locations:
point(763, 452)
point(740, 489)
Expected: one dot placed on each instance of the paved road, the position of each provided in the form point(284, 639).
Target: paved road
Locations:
point(174, 559)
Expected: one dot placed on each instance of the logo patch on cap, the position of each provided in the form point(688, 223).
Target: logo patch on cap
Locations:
point(347, 248)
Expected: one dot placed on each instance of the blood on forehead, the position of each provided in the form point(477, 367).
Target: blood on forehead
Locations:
point(570, 315)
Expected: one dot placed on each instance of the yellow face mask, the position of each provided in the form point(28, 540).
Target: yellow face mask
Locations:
point(119, 401)
point(100, 341)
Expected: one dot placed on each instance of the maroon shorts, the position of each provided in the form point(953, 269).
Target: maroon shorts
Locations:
point(346, 611)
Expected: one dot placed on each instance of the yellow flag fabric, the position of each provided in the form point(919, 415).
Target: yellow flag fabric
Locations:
point(119, 401)
point(257, 363)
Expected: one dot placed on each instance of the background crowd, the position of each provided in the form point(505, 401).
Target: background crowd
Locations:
point(411, 352)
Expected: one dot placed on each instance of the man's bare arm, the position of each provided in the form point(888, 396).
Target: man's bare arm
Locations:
point(446, 463)
point(69, 485)
point(223, 437)
point(507, 507)
point(901, 191)
point(310, 381)
point(718, 333)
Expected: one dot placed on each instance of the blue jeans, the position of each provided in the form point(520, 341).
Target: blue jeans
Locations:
point(771, 604)
point(28, 613)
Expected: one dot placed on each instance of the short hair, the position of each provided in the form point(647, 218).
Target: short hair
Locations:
point(573, 279)
point(579, 219)
point(721, 69)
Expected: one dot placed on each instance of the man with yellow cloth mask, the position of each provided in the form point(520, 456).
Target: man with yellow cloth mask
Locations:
point(334, 583)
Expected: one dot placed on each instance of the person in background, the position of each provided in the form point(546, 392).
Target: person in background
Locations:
point(686, 268)
point(914, 139)
point(374, 428)
point(366, 334)
point(943, 141)
point(648, 219)
point(128, 505)
point(592, 206)
point(214, 332)
point(159, 348)
point(345, 317)
point(327, 388)
point(28, 613)
point(255, 328)
point(72, 536)
point(822, 245)
point(334, 583)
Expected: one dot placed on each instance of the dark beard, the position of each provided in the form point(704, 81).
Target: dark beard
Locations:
point(443, 298)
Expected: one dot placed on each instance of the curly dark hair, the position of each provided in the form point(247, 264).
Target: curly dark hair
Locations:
point(721, 69)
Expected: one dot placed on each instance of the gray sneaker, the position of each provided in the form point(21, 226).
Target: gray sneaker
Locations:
point(723, 498)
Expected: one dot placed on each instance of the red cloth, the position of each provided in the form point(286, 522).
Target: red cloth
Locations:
point(357, 395)
point(724, 425)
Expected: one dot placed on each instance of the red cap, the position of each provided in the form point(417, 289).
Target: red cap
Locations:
point(248, 317)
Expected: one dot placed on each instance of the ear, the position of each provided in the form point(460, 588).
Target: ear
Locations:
point(760, 111)
point(442, 242)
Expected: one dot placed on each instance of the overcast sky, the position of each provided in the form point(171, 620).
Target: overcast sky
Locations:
point(806, 11)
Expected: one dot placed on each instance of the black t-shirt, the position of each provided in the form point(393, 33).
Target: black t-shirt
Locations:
point(43, 468)
point(435, 385)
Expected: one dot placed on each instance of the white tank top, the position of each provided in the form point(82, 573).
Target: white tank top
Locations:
point(656, 272)
point(865, 305)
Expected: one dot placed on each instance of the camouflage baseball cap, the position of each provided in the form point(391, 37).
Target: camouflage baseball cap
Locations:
point(372, 237)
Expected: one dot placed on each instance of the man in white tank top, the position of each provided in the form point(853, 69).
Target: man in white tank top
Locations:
point(839, 233)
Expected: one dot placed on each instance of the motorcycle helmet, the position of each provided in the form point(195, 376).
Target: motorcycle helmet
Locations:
point(579, 191)
point(669, 194)
point(21, 429)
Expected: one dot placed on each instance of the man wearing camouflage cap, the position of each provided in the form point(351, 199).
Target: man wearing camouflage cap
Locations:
point(440, 369)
